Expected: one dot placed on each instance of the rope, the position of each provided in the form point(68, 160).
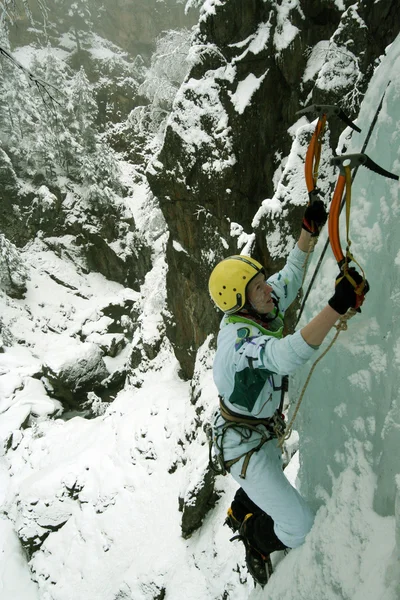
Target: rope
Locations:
point(364, 147)
point(340, 326)
point(311, 246)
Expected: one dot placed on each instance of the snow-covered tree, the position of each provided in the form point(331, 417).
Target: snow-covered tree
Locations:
point(82, 14)
point(13, 272)
point(143, 130)
point(168, 68)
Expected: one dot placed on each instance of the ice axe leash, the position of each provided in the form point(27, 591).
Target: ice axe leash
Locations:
point(343, 187)
point(367, 138)
point(313, 154)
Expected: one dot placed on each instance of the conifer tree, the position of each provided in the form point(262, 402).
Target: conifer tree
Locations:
point(82, 110)
point(53, 144)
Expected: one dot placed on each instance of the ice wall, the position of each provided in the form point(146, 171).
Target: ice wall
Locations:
point(352, 402)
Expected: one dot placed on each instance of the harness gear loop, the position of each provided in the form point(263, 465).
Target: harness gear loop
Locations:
point(274, 428)
point(340, 326)
point(268, 429)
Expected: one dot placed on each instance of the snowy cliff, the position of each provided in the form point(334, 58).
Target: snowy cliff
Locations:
point(349, 419)
point(227, 141)
point(104, 487)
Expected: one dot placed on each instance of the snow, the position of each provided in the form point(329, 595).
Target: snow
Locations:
point(364, 362)
point(107, 490)
point(339, 69)
point(255, 43)
point(347, 522)
point(128, 520)
point(245, 90)
point(197, 99)
point(28, 54)
point(178, 247)
point(316, 60)
point(208, 7)
point(244, 240)
point(15, 577)
point(285, 31)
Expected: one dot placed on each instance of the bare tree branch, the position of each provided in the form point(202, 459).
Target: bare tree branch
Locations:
point(41, 85)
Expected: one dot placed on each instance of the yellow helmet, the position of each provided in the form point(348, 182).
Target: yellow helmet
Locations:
point(229, 279)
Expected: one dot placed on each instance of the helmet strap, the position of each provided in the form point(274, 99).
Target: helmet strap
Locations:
point(266, 318)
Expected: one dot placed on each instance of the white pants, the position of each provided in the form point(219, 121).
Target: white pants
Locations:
point(265, 483)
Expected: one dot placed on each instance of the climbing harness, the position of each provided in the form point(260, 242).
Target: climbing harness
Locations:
point(245, 426)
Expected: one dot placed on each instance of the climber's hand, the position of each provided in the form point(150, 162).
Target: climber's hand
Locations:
point(315, 217)
point(346, 295)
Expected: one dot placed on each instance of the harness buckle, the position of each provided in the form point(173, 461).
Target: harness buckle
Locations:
point(279, 424)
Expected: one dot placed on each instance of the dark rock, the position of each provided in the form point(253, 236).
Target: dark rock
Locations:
point(44, 211)
point(11, 221)
point(13, 273)
point(129, 270)
point(201, 498)
point(124, 317)
point(72, 375)
point(33, 544)
point(200, 202)
point(112, 385)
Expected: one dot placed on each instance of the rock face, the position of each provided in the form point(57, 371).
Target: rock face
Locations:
point(74, 370)
point(11, 211)
point(197, 503)
point(13, 273)
point(229, 131)
point(104, 236)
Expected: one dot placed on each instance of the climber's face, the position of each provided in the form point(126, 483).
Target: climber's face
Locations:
point(259, 295)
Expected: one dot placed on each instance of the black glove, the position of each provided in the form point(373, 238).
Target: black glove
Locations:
point(345, 296)
point(315, 217)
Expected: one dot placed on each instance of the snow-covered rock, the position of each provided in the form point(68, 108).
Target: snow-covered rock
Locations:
point(13, 272)
point(73, 368)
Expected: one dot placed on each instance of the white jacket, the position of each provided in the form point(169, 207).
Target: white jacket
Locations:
point(250, 361)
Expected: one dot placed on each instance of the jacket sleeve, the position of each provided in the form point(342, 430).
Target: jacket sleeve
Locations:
point(280, 356)
point(287, 282)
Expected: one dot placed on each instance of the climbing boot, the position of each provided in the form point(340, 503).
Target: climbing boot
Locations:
point(258, 565)
point(233, 522)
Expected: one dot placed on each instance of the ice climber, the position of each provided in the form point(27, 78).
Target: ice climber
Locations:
point(251, 362)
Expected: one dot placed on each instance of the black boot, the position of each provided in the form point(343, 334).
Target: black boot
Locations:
point(260, 531)
point(240, 507)
point(233, 521)
point(258, 565)
point(261, 534)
